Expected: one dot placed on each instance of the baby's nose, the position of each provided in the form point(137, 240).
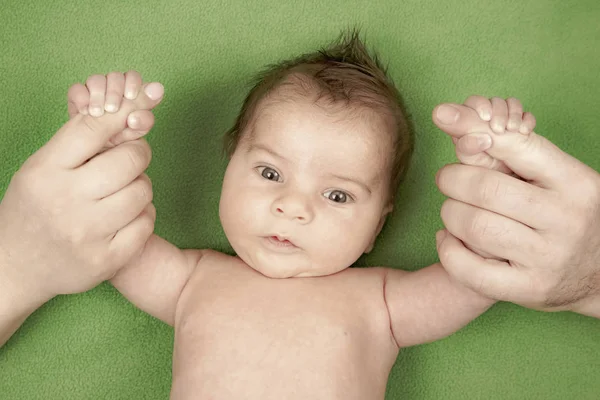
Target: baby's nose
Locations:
point(293, 207)
point(298, 215)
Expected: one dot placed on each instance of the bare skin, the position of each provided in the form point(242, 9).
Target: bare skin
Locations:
point(325, 330)
point(541, 227)
point(74, 214)
point(281, 338)
point(240, 334)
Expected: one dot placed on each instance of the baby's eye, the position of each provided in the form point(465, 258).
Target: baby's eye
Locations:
point(270, 174)
point(337, 196)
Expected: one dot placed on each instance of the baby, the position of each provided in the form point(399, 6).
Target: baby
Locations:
point(315, 157)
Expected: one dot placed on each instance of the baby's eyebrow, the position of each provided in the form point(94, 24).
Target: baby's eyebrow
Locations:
point(258, 146)
point(353, 180)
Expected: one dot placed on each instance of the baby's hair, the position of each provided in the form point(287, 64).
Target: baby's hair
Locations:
point(345, 74)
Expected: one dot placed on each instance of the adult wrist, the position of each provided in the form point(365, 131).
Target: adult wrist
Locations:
point(18, 299)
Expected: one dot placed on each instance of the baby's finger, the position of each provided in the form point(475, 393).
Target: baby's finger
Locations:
point(96, 85)
point(139, 124)
point(115, 85)
point(482, 105)
point(500, 115)
point(515, 114)
point(528, 123)
point(78, 99)
point(473, 143)
point(133, 83)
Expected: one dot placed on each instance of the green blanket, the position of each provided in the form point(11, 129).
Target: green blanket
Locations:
point(98, 346)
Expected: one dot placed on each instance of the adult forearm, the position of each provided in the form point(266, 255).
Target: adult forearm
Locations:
point(17, 300)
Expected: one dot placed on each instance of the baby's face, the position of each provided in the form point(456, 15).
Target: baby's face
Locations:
point(305, 192)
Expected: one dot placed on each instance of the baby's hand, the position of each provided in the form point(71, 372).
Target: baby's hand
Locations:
point(106, 93)
point(481, 122)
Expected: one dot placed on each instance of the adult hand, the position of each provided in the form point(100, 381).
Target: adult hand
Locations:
point(547, 225)
point(71, 217)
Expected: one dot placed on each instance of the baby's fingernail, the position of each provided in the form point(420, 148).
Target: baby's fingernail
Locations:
point(484, 142)
point(447, 114)
point(130, 93)
point(523, 129)
point(110, 107)
point(96, 111)
point(154, 90)
point(485, 115)
point(132, 121)
point(497, 127)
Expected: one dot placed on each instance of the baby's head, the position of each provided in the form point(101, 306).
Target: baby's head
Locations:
point(316, 155)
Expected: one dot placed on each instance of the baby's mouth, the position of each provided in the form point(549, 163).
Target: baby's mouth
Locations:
point(280, 242)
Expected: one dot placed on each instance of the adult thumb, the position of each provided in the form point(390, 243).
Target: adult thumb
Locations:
point(534, 158)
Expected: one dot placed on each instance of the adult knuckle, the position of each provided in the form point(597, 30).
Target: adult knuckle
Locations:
point(138, 156)
point(446, 211)
point(144, 189)
point(98, 261)
point(491, 189)
point(478, 225)
point(146, 226)
point(59, 207)
point(446, 177)
point(144, 149)
point(75, 234)
point(133, 157)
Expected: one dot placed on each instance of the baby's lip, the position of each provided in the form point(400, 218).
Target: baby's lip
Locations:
point(283, 239)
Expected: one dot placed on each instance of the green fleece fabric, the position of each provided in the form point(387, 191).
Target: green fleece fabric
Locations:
point(96, 345)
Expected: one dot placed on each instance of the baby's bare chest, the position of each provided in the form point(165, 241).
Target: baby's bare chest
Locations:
point(239, 334)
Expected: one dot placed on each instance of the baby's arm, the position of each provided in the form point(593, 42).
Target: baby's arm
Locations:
point(154, 281)
point(428, 304)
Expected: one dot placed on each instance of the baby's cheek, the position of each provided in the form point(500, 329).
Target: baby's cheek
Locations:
point(250, 213)
point(340, 242)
